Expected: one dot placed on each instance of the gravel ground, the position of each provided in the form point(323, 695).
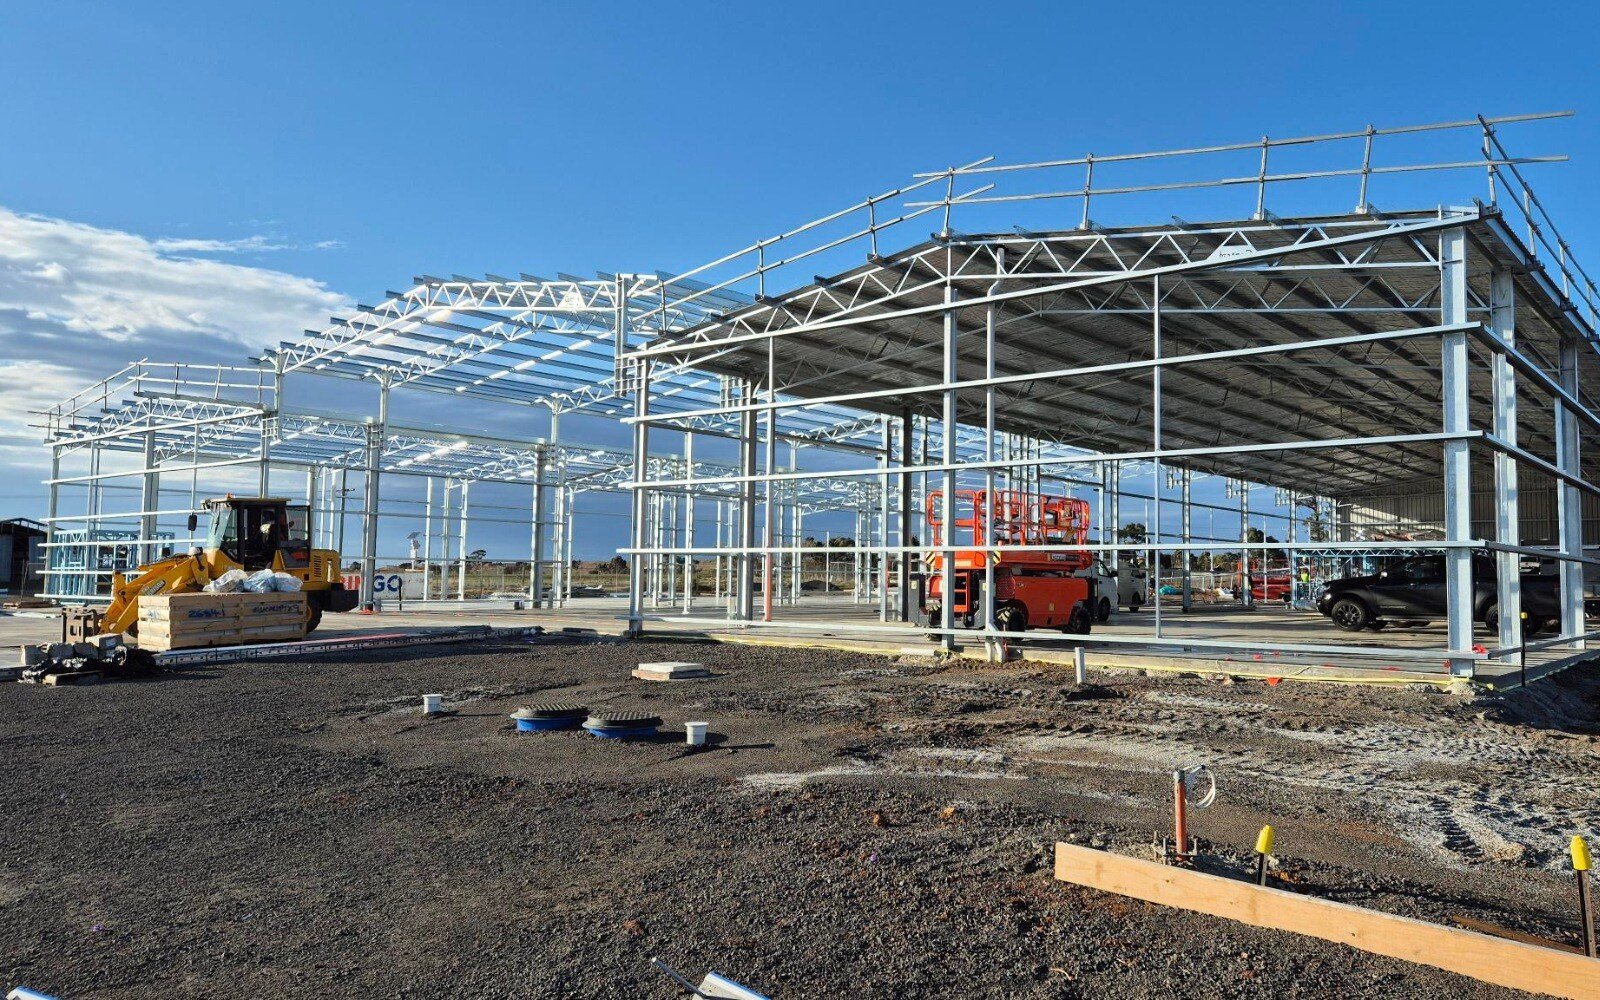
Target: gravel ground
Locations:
point(861, 827)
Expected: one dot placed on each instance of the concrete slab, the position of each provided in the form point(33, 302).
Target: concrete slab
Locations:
point(830, 621)
point(672, 670)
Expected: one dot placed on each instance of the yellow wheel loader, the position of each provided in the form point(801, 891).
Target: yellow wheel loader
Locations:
point(249, 534)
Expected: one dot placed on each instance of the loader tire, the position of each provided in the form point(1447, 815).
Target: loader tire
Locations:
point(1079, 621)
point(1011, 617)
point(313, 616)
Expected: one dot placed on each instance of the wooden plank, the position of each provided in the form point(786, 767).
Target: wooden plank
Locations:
point(1511, 933)
point(149, 627)
point(1490, 959)
point(233, 635)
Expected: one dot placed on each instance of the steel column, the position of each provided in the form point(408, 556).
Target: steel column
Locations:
point(641, 475)
point(688, 525)
point(885, 560)
point(1508, 527)
point(947, 556)
point(1186, 534)
point(1114, 513)
point(461, 581)
point(1569, 501)
point(748, 443)
point(1157, 481)
point(536, 554)
point(903, 519)
point(369, 536)
point(149, 499)
point(427, 541)
point(986, 611)
point(560, 585)
point(1455, 378)
point(1246, 563)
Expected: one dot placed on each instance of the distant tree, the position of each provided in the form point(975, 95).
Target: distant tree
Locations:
point(1133, 534)
point(1316, 525)
point(616, 564)
point(841, 542)
point(477, 555)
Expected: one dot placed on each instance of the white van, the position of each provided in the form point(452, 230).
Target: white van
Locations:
point(1126, 589)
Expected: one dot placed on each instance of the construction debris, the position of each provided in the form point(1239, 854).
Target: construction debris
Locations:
point(104, 655)
point(712, 987)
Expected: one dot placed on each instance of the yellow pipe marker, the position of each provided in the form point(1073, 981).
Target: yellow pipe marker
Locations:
point(1265, 837)
point(1580, 855)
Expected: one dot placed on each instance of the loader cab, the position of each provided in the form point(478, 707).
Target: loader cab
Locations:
point(257, 533)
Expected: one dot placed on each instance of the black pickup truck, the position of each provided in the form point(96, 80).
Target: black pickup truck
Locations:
point(1413, 591)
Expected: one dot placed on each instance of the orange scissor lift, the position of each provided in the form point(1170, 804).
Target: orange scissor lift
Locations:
point(1032, 589)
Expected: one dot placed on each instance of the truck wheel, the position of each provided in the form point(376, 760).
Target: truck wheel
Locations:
point(1350, 614)
point(1079, 621)
point(1103, 612)
point(313, 616)
point(1491, 618)
point(1011, 618)
point(1135, 602)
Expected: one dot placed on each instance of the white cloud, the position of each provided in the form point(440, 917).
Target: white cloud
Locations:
point(249, 244)
point(30, 386)
point(121, 288)
point(77, 302)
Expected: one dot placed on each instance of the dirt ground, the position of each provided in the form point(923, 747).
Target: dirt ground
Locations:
point(862, 827)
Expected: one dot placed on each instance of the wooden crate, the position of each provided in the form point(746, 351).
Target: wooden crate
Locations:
point(186, 621)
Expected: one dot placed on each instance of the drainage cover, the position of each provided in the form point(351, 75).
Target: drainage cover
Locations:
point(613, 725)
point(558, 715)
point(554, 710)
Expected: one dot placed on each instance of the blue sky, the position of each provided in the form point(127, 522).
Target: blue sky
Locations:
point(284, 158)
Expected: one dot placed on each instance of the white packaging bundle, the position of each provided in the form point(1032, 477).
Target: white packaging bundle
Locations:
point(285, 583)
point(228, 583)
point(260, 582)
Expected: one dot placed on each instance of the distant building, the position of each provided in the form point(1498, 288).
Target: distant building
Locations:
point(21, 557)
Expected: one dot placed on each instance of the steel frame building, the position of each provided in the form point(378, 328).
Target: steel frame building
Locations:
point(1408, 380)
point(1330, 355)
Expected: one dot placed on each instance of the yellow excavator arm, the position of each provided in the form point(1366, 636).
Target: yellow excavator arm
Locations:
point(174, 575)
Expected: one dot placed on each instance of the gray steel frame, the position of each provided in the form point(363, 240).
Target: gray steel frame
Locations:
point(1334, 331)
point(1322, 356)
